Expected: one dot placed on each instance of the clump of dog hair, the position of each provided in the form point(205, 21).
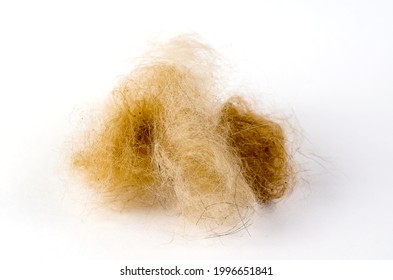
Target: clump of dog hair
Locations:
point(116, 156)
point(165, 139)
point(260, 143)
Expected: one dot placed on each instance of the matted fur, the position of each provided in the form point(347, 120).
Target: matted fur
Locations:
point(260, 143)
point(166, 140)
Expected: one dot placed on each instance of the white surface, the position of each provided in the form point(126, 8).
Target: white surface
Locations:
point(329, 63)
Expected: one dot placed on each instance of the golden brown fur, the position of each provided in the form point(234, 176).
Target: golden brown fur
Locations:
point(165, 139)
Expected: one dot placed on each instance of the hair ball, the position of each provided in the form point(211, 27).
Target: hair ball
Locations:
point(165, 139)
point(260, 143)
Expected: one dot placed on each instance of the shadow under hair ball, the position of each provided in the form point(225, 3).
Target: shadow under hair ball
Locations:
point(165, 139)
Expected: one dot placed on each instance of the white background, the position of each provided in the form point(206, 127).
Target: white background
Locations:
point(327, 64)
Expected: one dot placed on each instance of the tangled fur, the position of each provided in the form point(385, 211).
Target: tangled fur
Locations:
point(260, 144)
point(166, 139)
